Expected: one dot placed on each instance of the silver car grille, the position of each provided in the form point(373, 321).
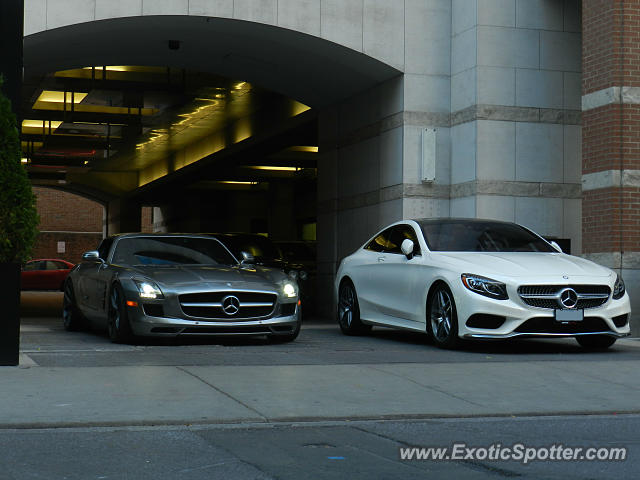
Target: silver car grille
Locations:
point(228, 305)
point(548, 296)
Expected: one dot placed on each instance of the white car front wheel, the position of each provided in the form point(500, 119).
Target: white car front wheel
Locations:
point(349, 311)
point(442, 317)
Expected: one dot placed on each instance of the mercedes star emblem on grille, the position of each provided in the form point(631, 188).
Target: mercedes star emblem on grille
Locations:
point(231, 305)
point(568, 298)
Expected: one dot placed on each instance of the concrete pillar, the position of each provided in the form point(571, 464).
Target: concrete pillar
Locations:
point(611, 135)
point(123, 217)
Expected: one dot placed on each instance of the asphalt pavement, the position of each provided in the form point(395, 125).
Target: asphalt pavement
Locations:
point(80, 382)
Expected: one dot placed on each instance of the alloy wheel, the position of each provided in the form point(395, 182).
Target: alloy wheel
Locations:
point(441, 316)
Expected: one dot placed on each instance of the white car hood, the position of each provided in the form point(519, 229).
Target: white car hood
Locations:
point(520, 264)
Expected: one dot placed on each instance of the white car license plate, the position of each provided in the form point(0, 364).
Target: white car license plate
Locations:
point(569, 315)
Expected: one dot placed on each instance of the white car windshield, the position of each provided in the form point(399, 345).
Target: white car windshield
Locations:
point(171, 251)
point(480, 236)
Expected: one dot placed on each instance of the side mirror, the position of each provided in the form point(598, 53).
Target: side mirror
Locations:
point(407, 248)
point(247, 258)
point(92, 256)
point(556, 246)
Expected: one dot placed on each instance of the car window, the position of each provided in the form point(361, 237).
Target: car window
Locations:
point(383, 243)
point(32, 266)
point(52, 265)
point(403, 232)
point(171, 251)
point(481, 236)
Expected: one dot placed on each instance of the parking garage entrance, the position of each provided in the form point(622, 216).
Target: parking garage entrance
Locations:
point(213, 124)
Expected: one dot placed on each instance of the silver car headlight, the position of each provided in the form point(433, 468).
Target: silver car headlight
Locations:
point(148, 289)
point(618, 288)
point(485, 286)
point(289, 289)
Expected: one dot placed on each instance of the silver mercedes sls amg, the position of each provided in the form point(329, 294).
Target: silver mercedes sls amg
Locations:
point(178, 284)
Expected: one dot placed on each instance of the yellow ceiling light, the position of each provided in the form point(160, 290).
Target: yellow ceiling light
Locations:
point(40, 127)
point(236, 182)
point(54, 96)
point(24, 160)
point(297, 108)
point(303, 148)
point(41, 123)
point(275, 168)
point(112, 68)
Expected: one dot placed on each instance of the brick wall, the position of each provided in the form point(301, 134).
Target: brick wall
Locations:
point(611, 131)
point(68, 218)
point(75, 245)
point(63, 211)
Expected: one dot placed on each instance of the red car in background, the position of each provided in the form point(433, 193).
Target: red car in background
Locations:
point(45, 274)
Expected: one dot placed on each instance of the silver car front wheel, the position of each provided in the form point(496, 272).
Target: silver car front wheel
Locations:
point(118, 321)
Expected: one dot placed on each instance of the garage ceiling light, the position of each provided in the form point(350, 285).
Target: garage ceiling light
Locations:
point(55, 96)
point(304, 148)
point(276, 169)
point(235, 182)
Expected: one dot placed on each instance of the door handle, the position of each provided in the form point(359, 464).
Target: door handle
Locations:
point(380, 259)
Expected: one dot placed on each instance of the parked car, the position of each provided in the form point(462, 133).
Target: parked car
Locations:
point(176, 284)
point(45, 274)
point(265, 252)
point(482, 279)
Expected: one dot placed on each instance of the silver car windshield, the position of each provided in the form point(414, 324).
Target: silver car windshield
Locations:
point(171, 251)
point(480, 236)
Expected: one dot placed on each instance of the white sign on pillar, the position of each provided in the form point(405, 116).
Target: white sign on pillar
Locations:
point(62, 247)
point(428, 170)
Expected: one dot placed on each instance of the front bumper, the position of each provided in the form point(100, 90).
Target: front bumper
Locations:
point(170, 321)
point(522, 320)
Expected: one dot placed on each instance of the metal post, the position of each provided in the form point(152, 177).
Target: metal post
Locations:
point(11, 37)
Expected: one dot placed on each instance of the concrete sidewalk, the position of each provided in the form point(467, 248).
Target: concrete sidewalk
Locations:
point(154, 395)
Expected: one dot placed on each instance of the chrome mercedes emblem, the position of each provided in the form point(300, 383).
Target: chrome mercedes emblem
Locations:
point(230, 305)
point(569, 298)
point(566, 277)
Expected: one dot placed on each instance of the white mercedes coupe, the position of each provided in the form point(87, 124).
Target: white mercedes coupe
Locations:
point(482, 279)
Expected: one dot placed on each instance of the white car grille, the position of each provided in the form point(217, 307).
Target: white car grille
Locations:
point(548, 296)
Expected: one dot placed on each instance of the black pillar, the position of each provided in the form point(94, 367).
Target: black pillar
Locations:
point(11, 36)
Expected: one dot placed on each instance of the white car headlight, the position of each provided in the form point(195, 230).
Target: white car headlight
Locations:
point(485, 286)
point(289, 289)
point(148, 289)
point(618, 288)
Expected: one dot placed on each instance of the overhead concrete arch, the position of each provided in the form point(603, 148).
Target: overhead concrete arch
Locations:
point(308, 68)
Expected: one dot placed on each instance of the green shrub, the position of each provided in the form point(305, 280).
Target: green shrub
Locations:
point(18, 216)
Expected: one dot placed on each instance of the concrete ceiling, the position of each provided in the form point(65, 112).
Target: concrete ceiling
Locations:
point(102, 149)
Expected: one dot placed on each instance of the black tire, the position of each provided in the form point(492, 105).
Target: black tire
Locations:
point(72, 319)
point(118, 320)
point(348, 311)
point(287, 337)
point(596, 342)
point(442, 318)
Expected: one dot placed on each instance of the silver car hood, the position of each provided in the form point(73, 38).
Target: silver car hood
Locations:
point(215, 276)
